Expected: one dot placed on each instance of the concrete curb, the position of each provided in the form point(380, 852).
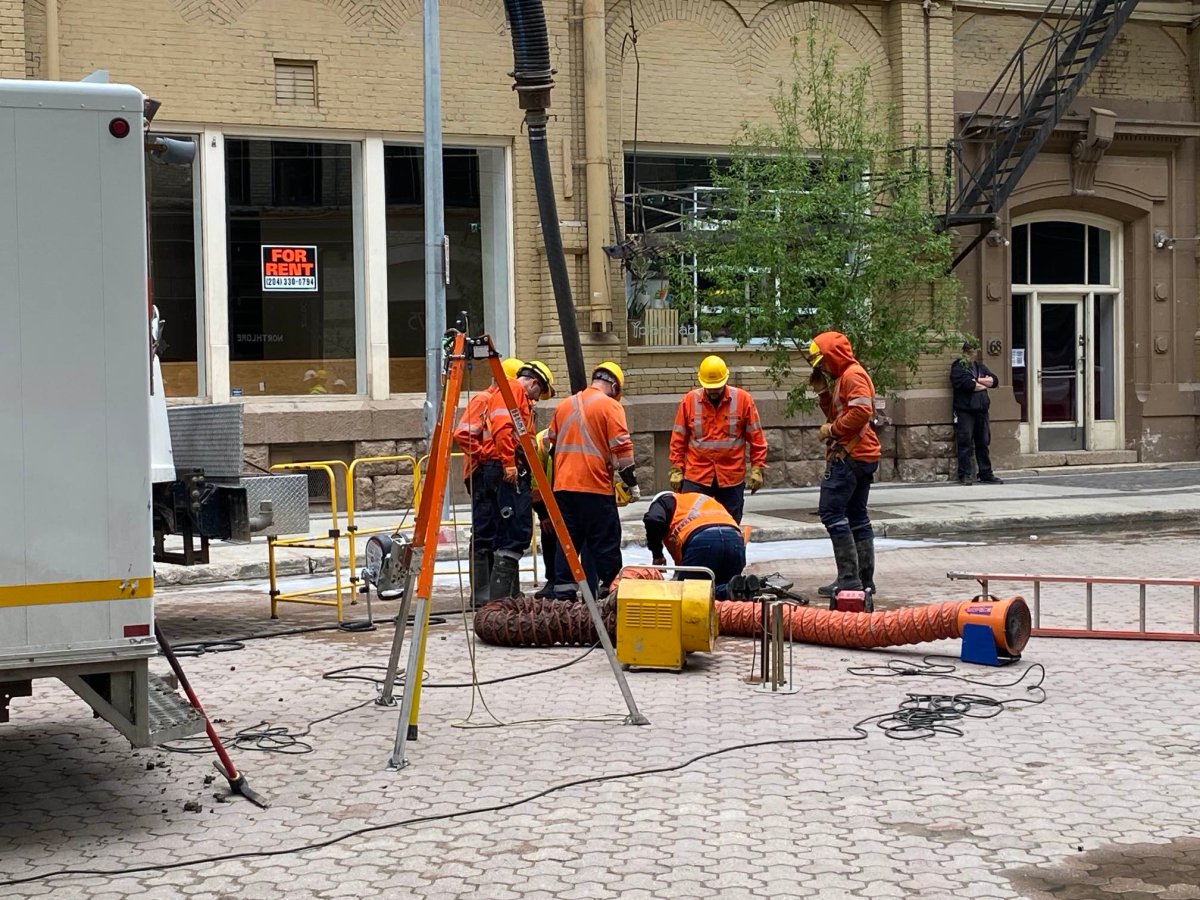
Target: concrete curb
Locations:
point(219, 573)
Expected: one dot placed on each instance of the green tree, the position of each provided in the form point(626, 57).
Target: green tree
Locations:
point(818, 223)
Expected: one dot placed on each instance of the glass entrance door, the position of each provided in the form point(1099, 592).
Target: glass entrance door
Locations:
point(1059, 385)
point(1066, 334)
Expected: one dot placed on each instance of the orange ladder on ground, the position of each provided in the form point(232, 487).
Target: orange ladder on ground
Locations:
point(1090, 582)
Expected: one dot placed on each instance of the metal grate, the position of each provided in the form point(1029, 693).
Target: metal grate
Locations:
point(295, 83)
point(170, 716)
point(659, 616)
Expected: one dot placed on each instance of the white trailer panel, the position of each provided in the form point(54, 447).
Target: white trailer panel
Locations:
point(75, 523)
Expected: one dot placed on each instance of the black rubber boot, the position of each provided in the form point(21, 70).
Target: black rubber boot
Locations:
point(506, 578)
point(481, 578)
point(866, 562)
point(845, 554)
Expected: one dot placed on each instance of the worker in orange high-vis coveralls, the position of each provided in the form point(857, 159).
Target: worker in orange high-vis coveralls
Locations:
point(847, 397)
point(474, 439)
point(497, 480)
point(591, 443)
point(697, 531)
point(713, 426)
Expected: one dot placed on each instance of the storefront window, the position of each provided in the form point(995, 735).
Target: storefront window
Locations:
point(667, 195)
point(174, 246)
point(292, 278)
point(404, 172)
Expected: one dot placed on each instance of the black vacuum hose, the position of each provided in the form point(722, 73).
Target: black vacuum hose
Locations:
point(534, 78)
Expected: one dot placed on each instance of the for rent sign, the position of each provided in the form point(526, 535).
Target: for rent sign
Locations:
point(289, 267)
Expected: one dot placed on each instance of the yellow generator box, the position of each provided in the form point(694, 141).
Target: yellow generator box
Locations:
point(660, 622)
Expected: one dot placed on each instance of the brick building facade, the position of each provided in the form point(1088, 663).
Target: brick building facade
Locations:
point(307, 115)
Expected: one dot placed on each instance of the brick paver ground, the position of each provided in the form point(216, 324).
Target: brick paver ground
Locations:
point(1092, 794)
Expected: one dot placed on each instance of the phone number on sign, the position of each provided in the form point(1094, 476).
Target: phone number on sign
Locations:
point(304, 284)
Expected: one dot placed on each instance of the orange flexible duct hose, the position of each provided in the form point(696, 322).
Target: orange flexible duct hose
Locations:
point(529, 622)
point(844, 629)
point(1008, 620)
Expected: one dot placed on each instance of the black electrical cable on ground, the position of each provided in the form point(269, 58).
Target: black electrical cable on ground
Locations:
point(905, 731)
point(269, 738)
point(228, 645)
point(342, 674)
point(926, 715)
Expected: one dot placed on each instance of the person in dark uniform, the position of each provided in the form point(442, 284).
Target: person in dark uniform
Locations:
point(971, 381)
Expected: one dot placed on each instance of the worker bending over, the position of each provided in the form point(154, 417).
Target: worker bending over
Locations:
point(498, 480)
point(697, 531)
point(713, 425)
point(591, 442)
point(847, 397)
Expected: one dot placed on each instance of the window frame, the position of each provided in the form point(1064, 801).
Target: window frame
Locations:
point(198, 174)
point(701, 223)
point(358, 215)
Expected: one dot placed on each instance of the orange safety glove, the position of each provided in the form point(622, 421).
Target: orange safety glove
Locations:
point(510, 474)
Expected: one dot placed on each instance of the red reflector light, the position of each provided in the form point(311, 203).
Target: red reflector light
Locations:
point(118, 128)
point(137, 631)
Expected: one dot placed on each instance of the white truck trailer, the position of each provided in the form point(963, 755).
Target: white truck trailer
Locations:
point(76, 577)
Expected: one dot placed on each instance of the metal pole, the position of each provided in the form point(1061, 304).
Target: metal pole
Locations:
point(436, 256)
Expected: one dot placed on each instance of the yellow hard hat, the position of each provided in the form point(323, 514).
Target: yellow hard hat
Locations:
point(542, 372)
point(813, 354)
point(614, 370)
point(511, 367)
point(713, 372)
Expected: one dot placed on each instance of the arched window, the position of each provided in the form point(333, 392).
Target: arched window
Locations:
point(1055, 252)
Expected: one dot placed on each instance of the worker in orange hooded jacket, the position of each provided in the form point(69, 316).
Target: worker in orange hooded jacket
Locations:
point(847, 397)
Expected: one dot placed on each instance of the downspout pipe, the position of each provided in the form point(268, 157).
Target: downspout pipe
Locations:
point(52, 40)
point(595, 140)
point(533, 79)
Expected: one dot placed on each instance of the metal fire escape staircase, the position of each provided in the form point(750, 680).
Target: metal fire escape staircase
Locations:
point(996, 144)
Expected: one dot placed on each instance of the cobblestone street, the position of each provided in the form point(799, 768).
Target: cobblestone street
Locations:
point(1091, 794)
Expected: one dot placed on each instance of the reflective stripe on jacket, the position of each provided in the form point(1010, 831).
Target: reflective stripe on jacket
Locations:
point(500, 423)
point(591, 441)
point(710, 441)
point(850, 407)
point(693, 512)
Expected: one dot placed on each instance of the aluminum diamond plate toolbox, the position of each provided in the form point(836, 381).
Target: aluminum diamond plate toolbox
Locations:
point(207, 437)
point(288, 493)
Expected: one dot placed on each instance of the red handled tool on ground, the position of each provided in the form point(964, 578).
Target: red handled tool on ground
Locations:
point(224, 765)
